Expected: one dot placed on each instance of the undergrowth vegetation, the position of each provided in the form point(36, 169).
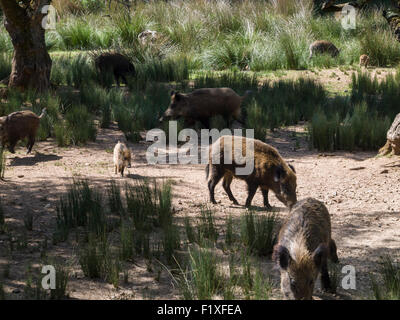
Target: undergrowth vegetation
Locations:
point(216, 35)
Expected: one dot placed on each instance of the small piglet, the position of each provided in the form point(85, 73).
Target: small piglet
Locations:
point(122, 157)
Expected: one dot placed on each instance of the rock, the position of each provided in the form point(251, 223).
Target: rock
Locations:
point(384, 171)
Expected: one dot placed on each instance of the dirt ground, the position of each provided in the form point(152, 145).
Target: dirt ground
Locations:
point(362, 193)
point(335, 80)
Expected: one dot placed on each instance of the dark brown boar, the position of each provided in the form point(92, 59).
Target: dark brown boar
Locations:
point(323, 46)
point(201, 104)
point(270, 172)
point(17, 126)
point(116, 63)
point(303, 247)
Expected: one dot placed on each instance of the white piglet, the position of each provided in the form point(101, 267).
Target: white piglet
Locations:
point(122, 157)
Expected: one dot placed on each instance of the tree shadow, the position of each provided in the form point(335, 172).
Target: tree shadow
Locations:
point(30, 161)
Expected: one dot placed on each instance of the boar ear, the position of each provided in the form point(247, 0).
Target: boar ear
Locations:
point(178, 96)
point(282, 256)
point(279, 173)
point(291, 167)
point(320, 254)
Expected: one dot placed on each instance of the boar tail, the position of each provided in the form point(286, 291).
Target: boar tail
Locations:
point(207, 170)
point(44, 111)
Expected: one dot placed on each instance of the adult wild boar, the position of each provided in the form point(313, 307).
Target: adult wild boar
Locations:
point(270, 171)
point(201, 104)
point(148, 37)
point(116, 63)
point(17, 126)
point(323, 46)
point(303, 247)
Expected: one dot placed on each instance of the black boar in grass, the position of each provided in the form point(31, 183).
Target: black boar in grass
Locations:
point(19, 125)
point(270, 171)
point(303, 247)
point(116, 63)
point(202, 104)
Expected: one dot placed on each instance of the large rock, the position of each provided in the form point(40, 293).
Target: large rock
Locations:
point(392, 145)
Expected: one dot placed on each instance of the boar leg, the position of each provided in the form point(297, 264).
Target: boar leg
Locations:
point(265, 196)
point(31, 142)
point(215, 176)
point(226, 183)
point(252, 188)
point(333, 251)
point(116, 76)
point(122, 171)
point(11, 146)
point(124, 79)
point(325, 280)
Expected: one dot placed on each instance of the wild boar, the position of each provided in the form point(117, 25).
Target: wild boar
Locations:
point(270, 171)
point(148, 36)
point(122, 157)
point(303, 246)
point(116, 63)
point(364, 60)
point(201, 104)
point(17, 126)
point(323, 46)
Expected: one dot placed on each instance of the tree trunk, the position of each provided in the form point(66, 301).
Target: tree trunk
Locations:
point(31, 63)
point(392, 145)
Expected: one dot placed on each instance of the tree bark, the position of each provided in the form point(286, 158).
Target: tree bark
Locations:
point(31, 63)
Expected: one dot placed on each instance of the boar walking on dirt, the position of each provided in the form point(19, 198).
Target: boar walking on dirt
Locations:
point(122, 158)
point(364, 61)
point(19, 125)
point(303, 247)
point(323, 46)
point(270, 171)
point(202, 104)
point(116, 63)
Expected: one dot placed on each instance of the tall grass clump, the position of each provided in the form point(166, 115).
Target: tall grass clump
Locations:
point(258, 234)
point(207, 229)
point(82, 206)
point(62, 279)
point(5, 65)
point(97, 260)
point(2, 219)
point(74, 70)
point(84, 33)
point(229, 233)
point(389, 289)
point(160, 70)
point(127, 249)
point(381, 97)
point(2, 163)
point(79, 126)
point(382, 47)
point(361, 130)
point(115, 199)
point(201, 280)
point(149, 208)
